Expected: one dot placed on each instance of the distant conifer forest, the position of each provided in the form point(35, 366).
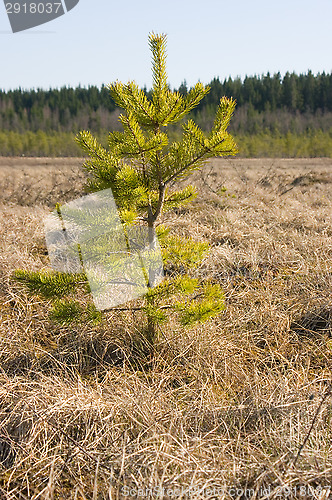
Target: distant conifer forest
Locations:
point(289, 116)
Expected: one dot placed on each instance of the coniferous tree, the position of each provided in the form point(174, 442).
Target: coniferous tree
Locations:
point(142, 167)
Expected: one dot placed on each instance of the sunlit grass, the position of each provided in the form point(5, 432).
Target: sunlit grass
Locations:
point(227, 405)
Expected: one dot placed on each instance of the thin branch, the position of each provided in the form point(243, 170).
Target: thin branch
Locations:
point(130, 90)
point(195, 160)
point(114, 309)
point(171, 109)
point(179, 172)
point(94, 151)
point(328, 392)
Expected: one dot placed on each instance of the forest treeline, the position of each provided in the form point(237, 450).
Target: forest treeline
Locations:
point(281, 108)
point(263, 144)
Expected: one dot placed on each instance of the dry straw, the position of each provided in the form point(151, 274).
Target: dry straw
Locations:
point(243, 402)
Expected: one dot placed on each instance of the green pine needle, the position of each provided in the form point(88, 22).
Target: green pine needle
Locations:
point(183, 252)
point(48, 284)
point(66, 311)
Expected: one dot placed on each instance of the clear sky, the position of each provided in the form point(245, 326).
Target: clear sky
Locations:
point(99, 41)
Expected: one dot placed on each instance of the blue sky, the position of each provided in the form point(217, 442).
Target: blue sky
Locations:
point(100, 41)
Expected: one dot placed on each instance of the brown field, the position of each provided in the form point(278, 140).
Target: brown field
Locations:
point(237, 408)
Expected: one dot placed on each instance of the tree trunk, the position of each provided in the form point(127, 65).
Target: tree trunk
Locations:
point(151, 326)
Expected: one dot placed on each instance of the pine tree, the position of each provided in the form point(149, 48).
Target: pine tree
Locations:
point(142, 167)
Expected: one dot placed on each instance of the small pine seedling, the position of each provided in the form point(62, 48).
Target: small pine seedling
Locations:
point(142, 167)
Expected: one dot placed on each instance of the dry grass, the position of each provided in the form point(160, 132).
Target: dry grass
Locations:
point(225, 407)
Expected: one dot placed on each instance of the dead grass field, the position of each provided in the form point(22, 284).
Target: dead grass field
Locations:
point(226, 407)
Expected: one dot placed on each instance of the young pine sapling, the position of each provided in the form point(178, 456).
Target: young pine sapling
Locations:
point(142, 167)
